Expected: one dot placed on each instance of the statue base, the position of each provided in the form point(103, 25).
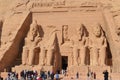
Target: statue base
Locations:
point(38, 68)
point(83, 70)
point(43, 68)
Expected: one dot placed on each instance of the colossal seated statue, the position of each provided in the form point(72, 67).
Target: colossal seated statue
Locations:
point(98, 46)
point(79, 44)
point(31, 43)
point(51, 48)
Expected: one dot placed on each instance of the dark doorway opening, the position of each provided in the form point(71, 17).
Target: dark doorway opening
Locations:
point(64, 62)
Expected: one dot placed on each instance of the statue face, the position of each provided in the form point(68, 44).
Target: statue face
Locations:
point(65, 27)
point(97, 31)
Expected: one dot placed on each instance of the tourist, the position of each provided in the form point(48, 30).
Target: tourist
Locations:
point(77, 75)
point(8, 77)
point(45, 75)
point(89, 75)
point(39, 78)
point(13, 76)
point(23, 74)
point(65, 72)
point(58, 70)
point(52, 76)
point(105, 75)
point(29, 77)
point(94, 75)
point(1, 78)
point(48, 74)
point(35, 74)
point(57, 76)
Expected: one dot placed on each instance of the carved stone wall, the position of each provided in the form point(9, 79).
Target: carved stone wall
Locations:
point(11, 49)
point(56, 36)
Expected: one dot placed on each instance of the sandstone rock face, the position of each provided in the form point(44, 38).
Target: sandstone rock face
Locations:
point(60, 33)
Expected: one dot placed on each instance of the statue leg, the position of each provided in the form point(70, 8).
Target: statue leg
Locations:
point(24, 55)
point(75, 56)
point(82, 55)
point(95, 56)
point(42, 57)
point(50, 57)
point(31, 56)
point(91, 57)
point(102, 56)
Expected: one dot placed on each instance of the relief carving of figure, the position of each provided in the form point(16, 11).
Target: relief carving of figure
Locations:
point(65, 33)
point(31, 44)
point(79, 42)
point(98, 46)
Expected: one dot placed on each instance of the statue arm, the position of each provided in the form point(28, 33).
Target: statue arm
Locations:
point(105, 42)
point(39, 30)
point(86, 42)
point(90, 43)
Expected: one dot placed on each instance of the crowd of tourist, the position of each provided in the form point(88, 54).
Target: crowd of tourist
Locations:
point(48, 75)
point(12, 76)
point(33, 75)
point(92, 75)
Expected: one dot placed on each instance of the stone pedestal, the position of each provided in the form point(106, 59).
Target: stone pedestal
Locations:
point(72, 70)
point(99, 69)
point(18, 69)
point(38, 68)
point(83, 70)
point(43, 68)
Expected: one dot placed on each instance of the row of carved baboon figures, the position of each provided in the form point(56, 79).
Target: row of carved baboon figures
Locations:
point(79, 43)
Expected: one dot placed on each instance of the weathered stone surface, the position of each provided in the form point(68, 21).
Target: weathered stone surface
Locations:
point(60, 34)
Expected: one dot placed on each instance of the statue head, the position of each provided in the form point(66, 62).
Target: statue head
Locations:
point(81, 31)
point(97, 30)
point(65, 27)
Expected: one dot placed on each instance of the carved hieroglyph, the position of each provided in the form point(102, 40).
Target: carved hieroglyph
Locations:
point(79, 42)
point(98, 46)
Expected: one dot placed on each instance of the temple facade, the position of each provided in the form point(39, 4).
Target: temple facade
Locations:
point(59, 34)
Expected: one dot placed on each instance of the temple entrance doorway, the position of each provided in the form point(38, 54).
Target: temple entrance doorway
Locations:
point(64, 62)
